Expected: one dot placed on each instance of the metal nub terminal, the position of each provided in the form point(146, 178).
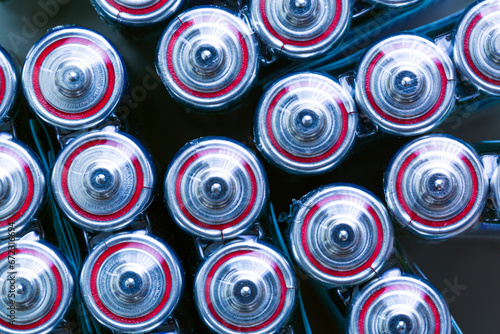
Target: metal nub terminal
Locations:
point(73, 78)
point(102, 180)
point(436, 187)
point(136, 13)
point(341, 235)
point(396, 4)
point(477, 46)
point(301, 28)
point(40, 285)
point(406, 84)
point(131, 282)
point(215, 188)
point(306, 123)
point(245, 286)
point(9, 84)
point(207, 58)
point(399, 305)
point(22, 186)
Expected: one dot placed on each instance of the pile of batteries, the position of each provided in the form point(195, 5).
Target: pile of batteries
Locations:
point(237, 263)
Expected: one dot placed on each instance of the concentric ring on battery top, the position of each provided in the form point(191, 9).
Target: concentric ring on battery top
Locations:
point(22, 186)
point(43, 286)
point(406, 84)
point(341, 235)
point(436, 187)
point(73, 78)
point(399, 304)
point(131, 282)
point(477, 46)
point(215, 188)
point(207, 58)
point(8, 83)
point(306, 123)
point(396, 4)
point(102, 180)
point(245, 287)
point(136, 13)
point(301, 28)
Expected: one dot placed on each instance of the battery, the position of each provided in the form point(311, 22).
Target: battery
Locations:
point(22, 186)
point(396, 4)
point(207, 58)
point(436, 187)
point(245, 286)
point(135, 14)
point(103, 180)
point(306, 123)
point(477, 46)
point(341, 235)
point(73, 78)
point(399, 304)
point(9, 84)
point(37, 289)
point(215, 188)
point(301, 29)
point(131, 282)
point(406, 84)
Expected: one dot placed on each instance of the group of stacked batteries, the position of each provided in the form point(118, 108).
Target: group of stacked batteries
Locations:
point(216, 190)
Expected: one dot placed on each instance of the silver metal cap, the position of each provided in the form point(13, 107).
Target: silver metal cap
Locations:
point(207, 58)
point(215, 188)
point(245, 286)
point(406, 84)
point(9, 84)
point(131, 282)
point(102, 180)
point(41, 285)
point(301, 28)
point(306, 123)
point(341, 235)
point(136, 13)
point(73, 78)
point(436, 187)
point(22, 185)
point(477, 46)
point(399, 305)
point(396, 4)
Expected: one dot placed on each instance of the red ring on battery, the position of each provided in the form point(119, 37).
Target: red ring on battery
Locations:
point(31, 188)
point(223, 91)
point(83, 114)
point(135, 11)
point(310, 42)
point(381, 113)
point(100, 261)
point(138, 188)
point(367, 264)
point(277, 270)
point(2, 84)
point(288, 155)
point(189, 216)
point(399, 287)
point(59, 288)
point(414, 216)
point(467, 41)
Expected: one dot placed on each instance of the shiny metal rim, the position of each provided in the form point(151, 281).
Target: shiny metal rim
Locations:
point(152, 253)
point(399, 305)
point(396, 4)
point(9, 82)
point(436, 187)
point(341, 235)
point(240, 196)
point(108, 90)
point(301, 28)
point(139, 184)
point(47, 286)
point(305, 123)
point(217, 268)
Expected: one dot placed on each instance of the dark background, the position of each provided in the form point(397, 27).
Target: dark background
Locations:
point(470, 261)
